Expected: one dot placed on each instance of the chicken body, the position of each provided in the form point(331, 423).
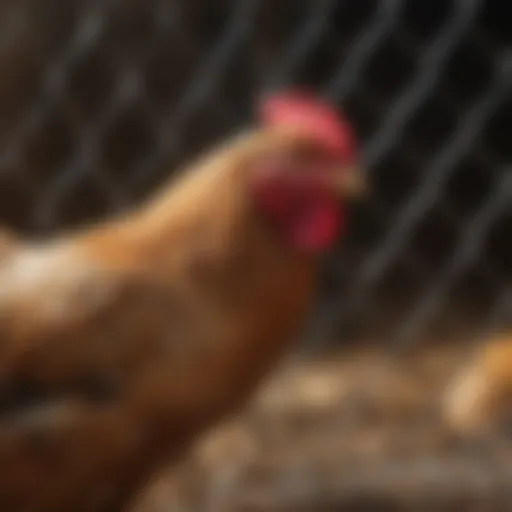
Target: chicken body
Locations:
point(479, 400)
point(121, 343)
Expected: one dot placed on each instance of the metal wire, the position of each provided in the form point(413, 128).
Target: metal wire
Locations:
point(165, 77)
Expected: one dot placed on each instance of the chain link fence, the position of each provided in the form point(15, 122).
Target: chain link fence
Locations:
point(101, 99)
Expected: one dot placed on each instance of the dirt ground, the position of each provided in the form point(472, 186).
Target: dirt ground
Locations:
point(357, 431)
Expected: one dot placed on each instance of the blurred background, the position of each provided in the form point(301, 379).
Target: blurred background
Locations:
point(101, 99)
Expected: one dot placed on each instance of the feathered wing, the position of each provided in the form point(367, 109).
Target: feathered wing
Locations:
point(74, 363)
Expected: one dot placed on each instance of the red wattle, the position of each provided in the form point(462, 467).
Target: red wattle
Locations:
point(318, 227)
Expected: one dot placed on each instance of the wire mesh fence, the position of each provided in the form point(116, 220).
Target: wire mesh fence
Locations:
point(101, 100)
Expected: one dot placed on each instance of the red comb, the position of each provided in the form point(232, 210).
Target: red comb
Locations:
point(317, 118)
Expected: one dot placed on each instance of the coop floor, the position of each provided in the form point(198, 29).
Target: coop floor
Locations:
point(353, 431)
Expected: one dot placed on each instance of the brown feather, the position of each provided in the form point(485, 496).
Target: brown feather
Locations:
point(119, 344)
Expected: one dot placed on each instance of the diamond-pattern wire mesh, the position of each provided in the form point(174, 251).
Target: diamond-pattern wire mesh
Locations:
point(101, 100)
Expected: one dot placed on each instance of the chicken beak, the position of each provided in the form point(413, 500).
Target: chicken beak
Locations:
point(351, 183)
